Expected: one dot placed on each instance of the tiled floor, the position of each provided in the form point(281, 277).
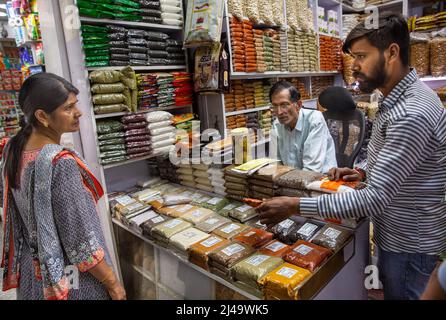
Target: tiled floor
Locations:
point(11, 294)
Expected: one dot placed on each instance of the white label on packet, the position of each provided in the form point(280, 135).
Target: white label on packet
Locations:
point(275, 246)
point(244, 208)
point(197, 213)
point(233, 249)
point(172, 224)
point(307, 229)
point(250, 233)
point(190, 234)
point(134, 206)
point(256, 260)
point(230, 228)
point(286, 272)
point(229, 207)
point(187, 207)
point(332, 233)
point(211, 221)
point(210, 242)
point(303, 249)
point(157, 219)
point(214, 201)
point(124, 200)
point(286, 223)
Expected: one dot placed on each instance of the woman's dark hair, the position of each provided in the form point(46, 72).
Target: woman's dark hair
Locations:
point(337, 99)
point(45, 91)
point(392, 28)
point(282, 85)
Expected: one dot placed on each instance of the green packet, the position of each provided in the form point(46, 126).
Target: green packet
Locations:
point(127, 17)
point(96, 58)
point(112, 147)
point(112, 7)
point(114, 159)
point(108, 126)
point(96, 63)
point(96, 46)
point(129, 3)
point(111, 142)
point(116, 153)
point(111, 135)
point(97, 52)
point(93, 29)
point(100, 14)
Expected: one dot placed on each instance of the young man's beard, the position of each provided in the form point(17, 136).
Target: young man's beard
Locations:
point(376, 80)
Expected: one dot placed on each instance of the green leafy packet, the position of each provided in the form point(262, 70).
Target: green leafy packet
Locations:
point(96, 63)
point(128, 3)
point(87, 28)
point(111, 108)
point(113, 135)
point(96, 46)
point(115, 153)
point(100, 14)
point(114, 159)
point(113, 147)
point(127, 17)
point(109, 126)
point(95, 52)
point(112, 7)
point(91, 58)
point(111, 142)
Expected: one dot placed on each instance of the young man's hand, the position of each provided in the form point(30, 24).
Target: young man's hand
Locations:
point(345, 174)
point(275, 210)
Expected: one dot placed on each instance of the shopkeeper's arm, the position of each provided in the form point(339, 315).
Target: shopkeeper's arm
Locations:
point(403, 151)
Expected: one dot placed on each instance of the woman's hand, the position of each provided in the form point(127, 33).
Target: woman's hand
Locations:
point(115, 289)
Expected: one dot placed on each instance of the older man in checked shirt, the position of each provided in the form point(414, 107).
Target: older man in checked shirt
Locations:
point(405, 170)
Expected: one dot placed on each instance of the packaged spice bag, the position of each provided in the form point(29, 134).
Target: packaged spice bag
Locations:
point(186, 238)
point(212, 222)
point(230, 231)
point(331, 237)
point(307, 231)
point(226, 256)
point(206, 76)
point(199, 251)
point(243, 213)
point(285, 231)
point(256, 238)
point(284, 282)
point(250, 270)
point(307, 255)
point(275, 248)
point(298, 179)
point(420, 53)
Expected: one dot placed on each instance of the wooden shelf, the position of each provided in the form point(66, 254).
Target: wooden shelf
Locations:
point(140, 68)
point(118, 114)
point(132, 24)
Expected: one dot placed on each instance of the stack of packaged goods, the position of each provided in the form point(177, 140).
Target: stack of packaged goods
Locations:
point(277, 56)
point(166, 90)
point(265, 122)
point(319, 84)
point(164, 231)
point(237, 186)
point(175, 53)
point(171, 12)
point(243, 213)
point(251, 10)
point(238, 46)
point(235, 7)
point(183, 88)
point(292, 13)
point(307, 54)
point(96, 45)
point(112, 145)
point(275, 248)
point(185, 174)
point(137, 135)
point(294, 62)
point(266, 12)
point(283, 51)
point(300, 85)
point(202, 178)
point(254, 237)
point(266, 89)
point(239, 95)
point(110, 94)
point(220, 152)
point(229, 101)
point(330, 53)
point(263, 183)
point(120, 10)
point(259, 99)
point(183, 240)
point(250, 47)
point(150, 11)
point(260, 52)
point(200, 251)
point(294, 183)
point(269, 50)
point(162, 132)
point(249, 89)
point(278, 12)
point(349, 21)
point(231, 122)
point(183, 126)
point(167, 170)
point(147, 91)
point(240, 120)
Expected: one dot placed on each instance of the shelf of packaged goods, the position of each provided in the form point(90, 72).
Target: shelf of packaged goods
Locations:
point(118, 164)
point(132, 24)
point(430, 78)
point(119, 114)
point(233, 113)
point(280, 74)
point(139, 68)
point(329, 35)
point(185, 261)
point(349, 9)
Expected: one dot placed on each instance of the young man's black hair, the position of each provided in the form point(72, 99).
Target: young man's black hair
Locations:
point(392, 28)
point(282, 85)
